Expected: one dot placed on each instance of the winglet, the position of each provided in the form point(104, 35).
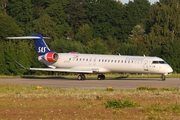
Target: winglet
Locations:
point(21, 66)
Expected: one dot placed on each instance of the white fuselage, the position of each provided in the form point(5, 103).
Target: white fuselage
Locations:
point(110, 63)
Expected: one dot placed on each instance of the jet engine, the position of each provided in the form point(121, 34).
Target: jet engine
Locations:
point(51, 57)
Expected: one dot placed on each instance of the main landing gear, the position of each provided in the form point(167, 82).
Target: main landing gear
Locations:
point(163, 77)
point(83, 77)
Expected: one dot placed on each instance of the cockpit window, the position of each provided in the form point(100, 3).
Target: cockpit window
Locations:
point(158, 62)
point(155, 62)
point(162, 62)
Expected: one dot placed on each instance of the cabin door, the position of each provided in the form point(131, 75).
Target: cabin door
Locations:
point(92, 61)
point(145, 65)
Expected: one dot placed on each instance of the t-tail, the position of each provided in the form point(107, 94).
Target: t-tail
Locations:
point(41, 47)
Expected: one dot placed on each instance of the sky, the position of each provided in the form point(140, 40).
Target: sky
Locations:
point(126, 1)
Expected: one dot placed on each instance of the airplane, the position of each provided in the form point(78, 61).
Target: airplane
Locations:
point(95, 63)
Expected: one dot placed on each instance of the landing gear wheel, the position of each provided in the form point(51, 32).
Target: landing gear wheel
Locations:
point(81, 77)
point(163, 77)
point(101, 77)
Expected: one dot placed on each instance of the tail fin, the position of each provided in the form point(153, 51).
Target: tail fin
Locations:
point(41, 46)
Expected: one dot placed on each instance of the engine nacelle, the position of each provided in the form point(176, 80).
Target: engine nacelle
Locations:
point(51, 57)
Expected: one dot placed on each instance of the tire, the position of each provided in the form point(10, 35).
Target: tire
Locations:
point(163, 77)
point(81, 77)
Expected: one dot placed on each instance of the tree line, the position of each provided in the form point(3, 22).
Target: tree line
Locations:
point(89, 26)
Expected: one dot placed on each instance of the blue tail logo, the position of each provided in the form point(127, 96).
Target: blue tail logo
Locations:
point(41, 46)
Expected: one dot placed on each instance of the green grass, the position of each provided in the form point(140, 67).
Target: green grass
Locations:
point(35, 102)
point(157, 88)
point(119, 104)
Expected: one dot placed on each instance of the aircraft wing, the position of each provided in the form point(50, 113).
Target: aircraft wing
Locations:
point(63, 70)
point(75, 70)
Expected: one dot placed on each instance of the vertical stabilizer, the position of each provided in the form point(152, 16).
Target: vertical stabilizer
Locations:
point(41, 46)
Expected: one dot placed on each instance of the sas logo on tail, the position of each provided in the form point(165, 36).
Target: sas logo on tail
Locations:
point(41, 49)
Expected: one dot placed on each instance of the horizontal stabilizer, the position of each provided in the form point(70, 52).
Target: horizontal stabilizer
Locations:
point(41, 46)
point(27, 37)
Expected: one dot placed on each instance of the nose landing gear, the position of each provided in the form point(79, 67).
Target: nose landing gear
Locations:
point(163, 77)
point(101, 77)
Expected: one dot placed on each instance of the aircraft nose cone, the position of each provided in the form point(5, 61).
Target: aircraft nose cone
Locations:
point(170, 70)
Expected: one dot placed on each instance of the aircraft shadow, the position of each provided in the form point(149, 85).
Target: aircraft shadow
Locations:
point(151, 79)
point(42, 77)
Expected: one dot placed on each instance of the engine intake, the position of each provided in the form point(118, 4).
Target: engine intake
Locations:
point(51, 57)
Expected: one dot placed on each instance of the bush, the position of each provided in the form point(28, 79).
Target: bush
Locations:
point(119, 104)
point(157, 88)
